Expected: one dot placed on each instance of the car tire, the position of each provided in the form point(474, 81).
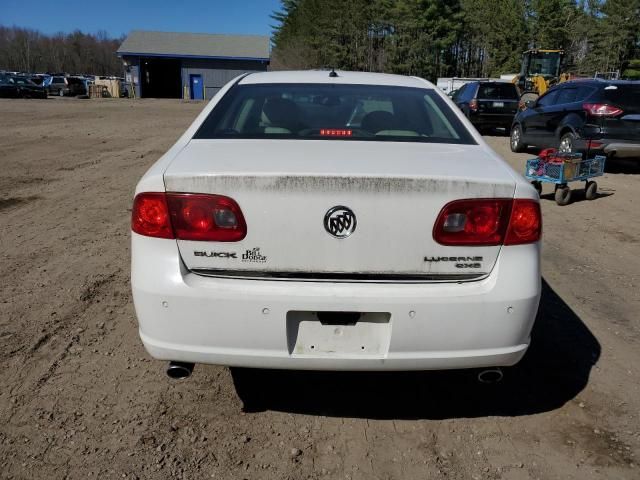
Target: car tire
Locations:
point(515, 140)
point(563, 195)
point(591, 190)
point(567, 143)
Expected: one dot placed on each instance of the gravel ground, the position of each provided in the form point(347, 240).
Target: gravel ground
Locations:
point(80, 398)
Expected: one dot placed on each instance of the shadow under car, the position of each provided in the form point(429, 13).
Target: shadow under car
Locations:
point(554, 370)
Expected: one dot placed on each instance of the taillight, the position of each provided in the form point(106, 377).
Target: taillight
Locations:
point(213, 218)
point(186, 216)
point(473, 105)
point(601, 109)
point(525, 225)
point(473, 222)
point(150, 215)
point(488, 222)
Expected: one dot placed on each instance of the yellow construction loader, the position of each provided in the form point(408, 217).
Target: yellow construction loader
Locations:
point(540, 70)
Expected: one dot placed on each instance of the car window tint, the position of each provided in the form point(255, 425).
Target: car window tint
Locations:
point(339, 112)
point(496, 91)
point(460, 93)
point(470, 91)
point(584, 92)
point(547, 99)
point(626, 96)
point(567, 95)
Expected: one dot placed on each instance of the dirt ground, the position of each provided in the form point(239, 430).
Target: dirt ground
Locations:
point(80, 398)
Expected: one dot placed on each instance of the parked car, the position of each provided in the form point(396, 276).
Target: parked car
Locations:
point(38, 79)
point(28, 89)
point(58, 85)
point(594, 116)
point(301, 235)
point(77, 86)
point(488, 104)
point(8, 89)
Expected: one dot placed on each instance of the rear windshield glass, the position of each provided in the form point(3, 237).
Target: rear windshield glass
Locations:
point(344, 112)
point(626, 97)
point(495, 91)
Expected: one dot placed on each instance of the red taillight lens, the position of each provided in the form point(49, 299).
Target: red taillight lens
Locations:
point(488, 222)
point(601, 109)
point(150, 216)
point(526, 223)
point(213, 218)
point(473, 105)
point(187, 216)
point(473, 222)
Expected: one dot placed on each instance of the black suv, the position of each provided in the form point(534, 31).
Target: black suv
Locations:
point(488, 104)
point(585, 116)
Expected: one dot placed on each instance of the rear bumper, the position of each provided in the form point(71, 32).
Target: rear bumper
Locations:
point(492, 120)
point(621, 149)
point(247, 323)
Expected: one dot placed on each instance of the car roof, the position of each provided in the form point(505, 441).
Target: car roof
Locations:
point(502, 82)
point(598, 82)
point(343, 78)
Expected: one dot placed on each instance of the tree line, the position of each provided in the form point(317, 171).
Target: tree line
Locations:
point(27, 50)
point(464, 38)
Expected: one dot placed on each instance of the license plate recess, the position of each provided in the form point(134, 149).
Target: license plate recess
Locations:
point(338, 333)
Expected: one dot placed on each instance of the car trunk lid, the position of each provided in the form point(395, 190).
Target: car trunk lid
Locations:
point(497, 98)
point(285, 189)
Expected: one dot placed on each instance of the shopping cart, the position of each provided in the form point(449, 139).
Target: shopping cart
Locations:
point(569, 169)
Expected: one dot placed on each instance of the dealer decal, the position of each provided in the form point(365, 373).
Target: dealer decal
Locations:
point(253, 255)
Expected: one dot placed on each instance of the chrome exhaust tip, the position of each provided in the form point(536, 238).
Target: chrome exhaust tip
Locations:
point(490, 375)
point(179, 370)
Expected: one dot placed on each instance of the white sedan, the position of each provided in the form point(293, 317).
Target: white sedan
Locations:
point(334, 221)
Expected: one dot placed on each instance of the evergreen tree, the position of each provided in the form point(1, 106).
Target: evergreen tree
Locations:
point(432, 38)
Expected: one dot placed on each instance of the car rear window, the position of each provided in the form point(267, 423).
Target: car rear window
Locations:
point(626, 97)
point(336, 112)
point(495, 91)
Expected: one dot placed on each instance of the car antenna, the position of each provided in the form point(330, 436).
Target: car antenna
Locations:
point(333, 73)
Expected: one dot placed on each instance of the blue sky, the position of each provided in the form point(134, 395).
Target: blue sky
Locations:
point(118, 17)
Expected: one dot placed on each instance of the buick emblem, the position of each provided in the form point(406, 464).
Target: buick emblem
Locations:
point(340, 222)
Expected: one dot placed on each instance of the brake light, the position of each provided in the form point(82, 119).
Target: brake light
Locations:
point(335, 132)
point(601, 109)
point(488, 222)
point(473, 105)
point(150, 216)
point(213, 218)
point(525, 225)
point(473, 222)
point(186, 216)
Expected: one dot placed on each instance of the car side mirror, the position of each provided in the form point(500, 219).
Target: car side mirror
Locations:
point(530, 103)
